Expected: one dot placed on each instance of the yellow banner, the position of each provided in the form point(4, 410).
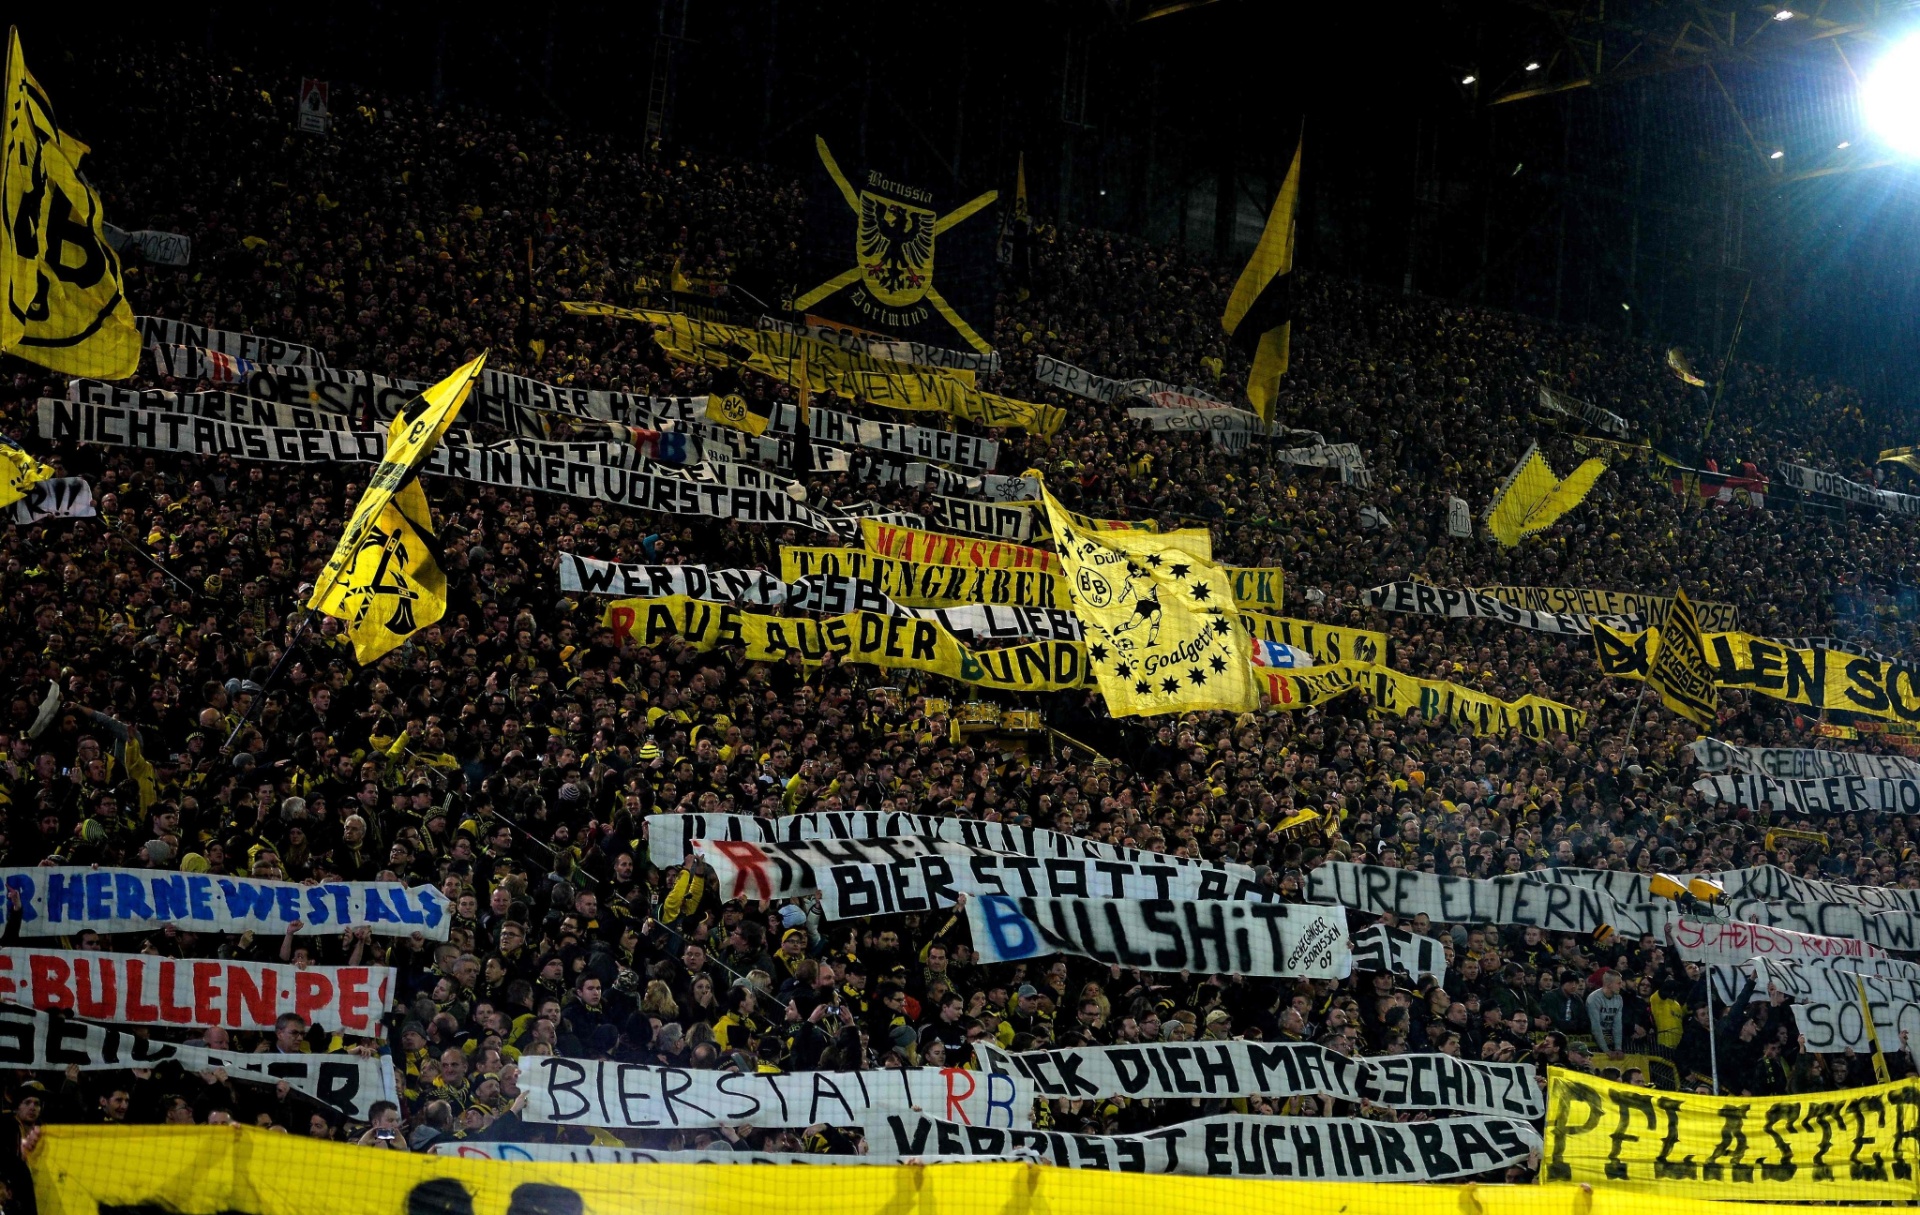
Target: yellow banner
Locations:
point(820, 367)
point(1713, 617)
point(1258, 586)
point(883, 641)
point(939, 548)
point(1821, 679)
point(66, 307)
point(927, 583)
point(1154, 609)
point(1328, 643)
point(1395, 693)
point(203, 1170)
point(1679, 670)
point(20, 471)
point(1861, 1144)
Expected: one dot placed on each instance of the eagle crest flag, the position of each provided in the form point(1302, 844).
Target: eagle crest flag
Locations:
point(886, 257)
point(66, 309)
point(384, 578)
point(1160, 633)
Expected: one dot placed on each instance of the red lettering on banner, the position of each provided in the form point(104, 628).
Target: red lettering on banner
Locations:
point(206, 990)
point(136, 1011)
point(258, 995)
point(105, 1006)
point(7, 984)
point(621, 618)
point(748, 861)
point(50, 982)
point(173, 1014)
point(955, 1111)
point(353, 997)
point(312, 991)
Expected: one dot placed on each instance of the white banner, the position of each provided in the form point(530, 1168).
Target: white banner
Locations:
point(1258, 940)
point(142, 989)
point(894, 438)
point(1233, 1145)
point(1831, 485)
point(629, 1096)
point(1520, 899)
point(159, 248)
point(1814, 795)
point(1783, 763)
point(669, 834)
point(1422, 599)
point(1217, 418)
point(55, 498)
point(57, 901)
point(1826, 1005)
point(43, 1041)
point(1081, 383)
point(925, 883)
point(595, 1153)
point(1397, 951)
point(893, 350)
point(1715, 943)
point(156, 330)
point(1592, 415)
point(1241, 1068)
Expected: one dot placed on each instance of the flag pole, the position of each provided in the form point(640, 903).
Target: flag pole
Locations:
point(293, 643)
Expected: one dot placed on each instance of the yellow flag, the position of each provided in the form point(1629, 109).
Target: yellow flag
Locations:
point(1160, 636)
point(1907, 457)
point(384, 577)
point(1533, 498)
point(738, 411)
point(1259, 315)
point(1679, 669)
point(66, 308)
point(1677, 363)
point(19, 472)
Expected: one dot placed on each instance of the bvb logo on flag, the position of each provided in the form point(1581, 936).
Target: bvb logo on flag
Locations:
point(389, 580)
point(733, 409)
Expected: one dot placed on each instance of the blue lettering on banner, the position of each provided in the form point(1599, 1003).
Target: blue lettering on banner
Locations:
point(55, 899)
point(1013, 936)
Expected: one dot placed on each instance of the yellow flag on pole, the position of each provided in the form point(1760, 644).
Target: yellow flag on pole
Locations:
point(1532, 498)
point(1158, 614)
point(19, 472)
point(1259, 315)
point(66, 308)
point(384, 578)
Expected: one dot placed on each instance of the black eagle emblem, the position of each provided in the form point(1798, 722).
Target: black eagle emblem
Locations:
point(896, 245)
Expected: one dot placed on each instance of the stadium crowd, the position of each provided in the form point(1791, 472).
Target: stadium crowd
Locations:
point(512, 753)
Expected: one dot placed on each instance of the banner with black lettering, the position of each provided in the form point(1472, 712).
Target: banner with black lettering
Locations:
point(668, 836)
point(55, 498)
point(1814, 795)
point(1591, 414)
point(1859, 1144)
point(1394, 950)
point(1176, 420)
point(58, 901)
point(894, 438)
point(64, 421)
point(1827, 1004)
point(33, 1040)
point(597, 1153)
point(159, 331)
point(1259, 940)
point(1789, 763)
point(926, 583)
point(631, 1096)
point(1518, 899)
point(1421, 599)
point(1067, 378)
point(1832, 485)
point(1634, 605)
point(1013, 522)
point(936, 881)
point(147, 989)
point(1233, 1145)
point(1242, 1068)
point(858, 341)
point(1459, 519)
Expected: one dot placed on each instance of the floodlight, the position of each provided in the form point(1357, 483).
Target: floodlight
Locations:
point(1891, 96)
point(1705, 889)
point(1533, 67)
point(1468, 79)
point(1776, 154)
point(1785, 14)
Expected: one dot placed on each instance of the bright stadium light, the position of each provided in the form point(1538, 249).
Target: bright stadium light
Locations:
point(1533, 67)
point(1468, 79)
point(1891, 96)
point(1785, 14)
point(1776, 154)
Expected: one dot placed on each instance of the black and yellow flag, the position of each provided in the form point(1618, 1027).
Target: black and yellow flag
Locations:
point(384, 578)
point(19, 472)
point(1679, 669)
point(65, 306)
point(1259, 315)
point(1161, 636)
point(1906, 457)
point(729, 405)
point(892, 282)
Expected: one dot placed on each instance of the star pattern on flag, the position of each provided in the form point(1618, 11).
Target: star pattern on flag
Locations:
point(1097, 652)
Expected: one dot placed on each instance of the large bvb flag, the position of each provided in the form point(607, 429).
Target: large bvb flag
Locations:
point(1680, 671)
point(384, 578)
point(872, 244)
point(65, 307)
point(1259, 315)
